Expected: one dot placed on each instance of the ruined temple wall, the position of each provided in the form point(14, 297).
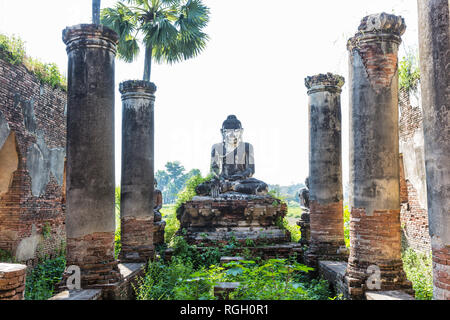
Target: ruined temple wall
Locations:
point(414, 213)
point(32, 153)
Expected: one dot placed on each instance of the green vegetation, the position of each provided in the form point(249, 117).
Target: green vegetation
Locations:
point(419, 270)
point(172, 180)
point(189, 190)
point(170, 30)
point(347, 226)
point(12, 49)
point(117, 242)
point(191, 275)
point(409, 72)
point(6, 257)
point(42, 279)
point(172, 224)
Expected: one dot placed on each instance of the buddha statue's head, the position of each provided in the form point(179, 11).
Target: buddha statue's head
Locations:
point(232, 131)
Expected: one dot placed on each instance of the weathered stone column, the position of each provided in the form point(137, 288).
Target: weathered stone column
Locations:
point(375, 232)
point(434, 43)
point(136, 205)
point(90, 221)
point(325, 169)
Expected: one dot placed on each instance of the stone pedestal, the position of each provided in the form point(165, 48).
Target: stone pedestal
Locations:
point(325, 169)
point(434, 43)
point(12, 281)
point(90, 221)
point(375, 232)
point(136, 205)
point(158, 232)
point(208, 220)
point(305, 228)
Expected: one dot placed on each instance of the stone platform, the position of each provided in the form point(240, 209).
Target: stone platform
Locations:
point(232, 216)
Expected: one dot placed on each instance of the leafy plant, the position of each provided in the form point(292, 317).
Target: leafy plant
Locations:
point(347, 226)
point(189, 191)
point(419, 270)
point(409, 72)
point(117, 235)
point(6, 256)
point(42, 279)
point(13, 49)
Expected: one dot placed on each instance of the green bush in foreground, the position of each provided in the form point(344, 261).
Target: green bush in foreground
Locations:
point(191, 275)
point(419, 270)
point(42, 279)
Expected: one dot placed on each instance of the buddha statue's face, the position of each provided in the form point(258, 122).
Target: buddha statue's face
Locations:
point(232, 137)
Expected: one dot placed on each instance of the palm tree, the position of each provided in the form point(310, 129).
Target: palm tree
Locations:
point(170, 30)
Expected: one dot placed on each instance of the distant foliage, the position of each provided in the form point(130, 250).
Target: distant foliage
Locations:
point(117, 242)
point(347, 226)
point(42, 279)
point(13, 49)
point(172, 180)
point(419, 270)
point(189, 190)
point(172, 223)
point(288, 193)
point(409, 73)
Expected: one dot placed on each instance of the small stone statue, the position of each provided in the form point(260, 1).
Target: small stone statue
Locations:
point(160, 225)
point(303, 195)
point(304, 222)
point(232, 165)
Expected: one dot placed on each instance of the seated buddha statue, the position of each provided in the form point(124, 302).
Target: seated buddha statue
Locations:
point(232, 165)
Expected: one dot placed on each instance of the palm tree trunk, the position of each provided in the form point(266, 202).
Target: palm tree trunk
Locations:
point(148, 63)
point(96, 11)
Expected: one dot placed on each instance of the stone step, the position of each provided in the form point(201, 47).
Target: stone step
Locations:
point(388, 295)
point(88, 294)
point(225, 260)
point(222, 290)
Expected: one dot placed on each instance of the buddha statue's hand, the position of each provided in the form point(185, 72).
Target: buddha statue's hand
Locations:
point(236, 177)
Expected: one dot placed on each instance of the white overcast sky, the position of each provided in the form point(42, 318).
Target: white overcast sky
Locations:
point(254, 66)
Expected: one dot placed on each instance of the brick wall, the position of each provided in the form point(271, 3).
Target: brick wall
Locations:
point(413, 193)
point(31, 208)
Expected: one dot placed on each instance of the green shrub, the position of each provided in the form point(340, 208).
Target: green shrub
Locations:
point(192, 275)
point(293, 229)
point(13, 49)
point(172, 224)
point(347, 226)
point(188, 192)
point(409, 73)
point(42, 279)
point(6, 256)
point(197, 258)
point(117, 235)
point(419, 270)
point(161, 280)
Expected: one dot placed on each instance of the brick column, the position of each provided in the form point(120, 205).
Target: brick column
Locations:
point(375, 230)
point(434, 45)
point(325, 169)
point(90, 221)
point(136, 205)
point(12, 281)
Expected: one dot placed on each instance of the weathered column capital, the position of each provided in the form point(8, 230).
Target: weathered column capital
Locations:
point(380, 26)
point(135, 89)
point(90, 36)
point(324, 82)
